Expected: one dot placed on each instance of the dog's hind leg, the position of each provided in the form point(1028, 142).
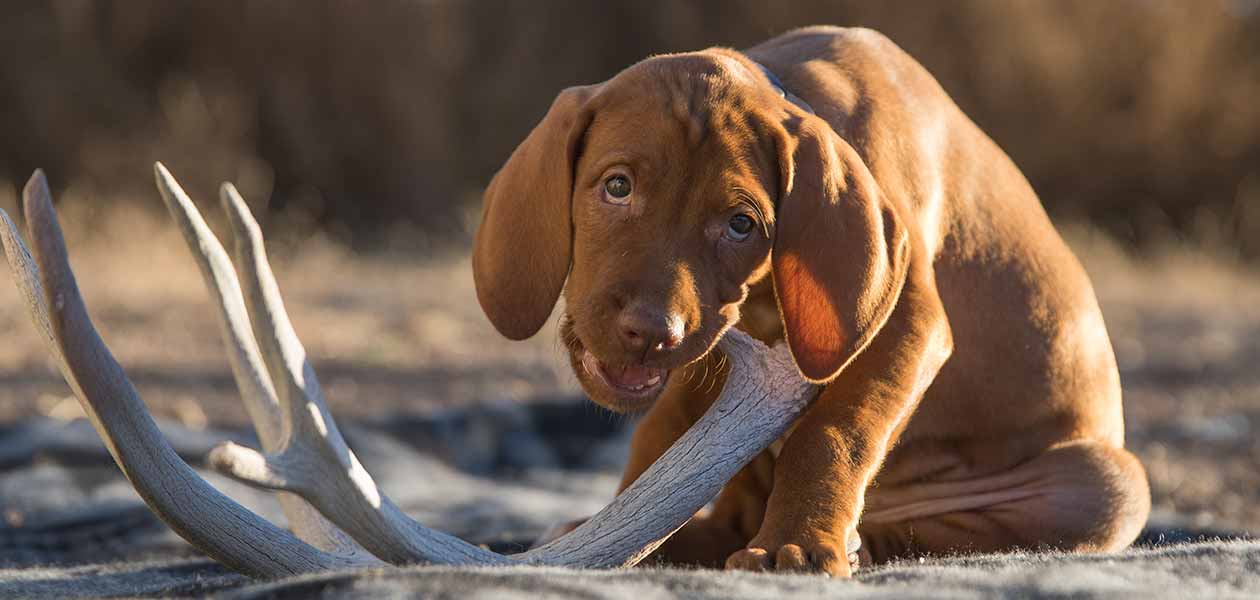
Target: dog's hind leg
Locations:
point(1082, 496)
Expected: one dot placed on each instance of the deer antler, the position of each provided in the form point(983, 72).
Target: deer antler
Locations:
point(305, 453)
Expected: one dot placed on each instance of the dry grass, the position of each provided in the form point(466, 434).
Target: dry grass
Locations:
point(401, 331)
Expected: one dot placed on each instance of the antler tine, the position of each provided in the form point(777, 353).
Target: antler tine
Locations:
point(26, 275)
point(315, 461)
point(200, 514)
point(250, 373)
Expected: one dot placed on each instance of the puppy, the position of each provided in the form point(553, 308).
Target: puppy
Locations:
point(821, 188)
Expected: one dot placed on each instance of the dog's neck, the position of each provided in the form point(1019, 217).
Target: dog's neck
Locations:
point(783, 91)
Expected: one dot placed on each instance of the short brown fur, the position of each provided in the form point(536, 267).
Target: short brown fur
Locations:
point(971, 398)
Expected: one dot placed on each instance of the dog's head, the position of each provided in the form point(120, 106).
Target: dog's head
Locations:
point(660, 196)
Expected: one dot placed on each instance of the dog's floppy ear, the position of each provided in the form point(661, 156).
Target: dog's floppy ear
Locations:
point(522, 250)
point(840, 251)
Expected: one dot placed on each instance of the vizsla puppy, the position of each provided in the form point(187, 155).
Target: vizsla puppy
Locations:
point(821, 187)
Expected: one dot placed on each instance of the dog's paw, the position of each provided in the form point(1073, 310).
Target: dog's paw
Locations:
point(809, 554)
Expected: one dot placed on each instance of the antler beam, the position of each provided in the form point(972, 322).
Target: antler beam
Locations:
point(305, 454)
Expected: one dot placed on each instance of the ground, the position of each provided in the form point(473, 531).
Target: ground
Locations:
point(400, 330)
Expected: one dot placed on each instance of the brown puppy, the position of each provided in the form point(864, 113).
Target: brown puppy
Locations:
point(972, 401)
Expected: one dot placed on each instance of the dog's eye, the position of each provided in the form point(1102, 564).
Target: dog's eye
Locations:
point(740, 227)
point(618, 188)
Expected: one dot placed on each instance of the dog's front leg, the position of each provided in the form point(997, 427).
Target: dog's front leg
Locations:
point(821, 475)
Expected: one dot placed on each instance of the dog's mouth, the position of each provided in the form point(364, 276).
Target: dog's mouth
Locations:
point(628, 381)
point(634, 385)
point(624, 388)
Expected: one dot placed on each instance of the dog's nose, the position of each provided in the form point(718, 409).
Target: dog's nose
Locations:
point(648, 330)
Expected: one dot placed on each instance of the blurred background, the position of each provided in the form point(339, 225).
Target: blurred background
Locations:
point(1140, 117)
point(362, 133)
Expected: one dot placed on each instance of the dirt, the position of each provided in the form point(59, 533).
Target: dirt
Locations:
point(401, 331)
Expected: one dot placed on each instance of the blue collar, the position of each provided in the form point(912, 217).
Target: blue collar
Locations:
point(778, 87)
